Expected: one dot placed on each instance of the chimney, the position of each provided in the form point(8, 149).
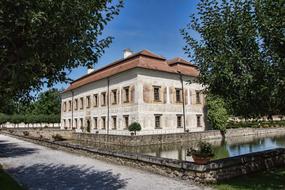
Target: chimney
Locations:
point(127, 53)
point(90, 69)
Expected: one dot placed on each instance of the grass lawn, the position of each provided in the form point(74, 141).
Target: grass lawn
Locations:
point(8, 183)
point(268, 180)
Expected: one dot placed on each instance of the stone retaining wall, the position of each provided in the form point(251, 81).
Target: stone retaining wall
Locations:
point(172, 138)
point(212, 172)
point(45, 133)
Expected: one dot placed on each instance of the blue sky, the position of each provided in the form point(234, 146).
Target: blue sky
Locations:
point(145, 24)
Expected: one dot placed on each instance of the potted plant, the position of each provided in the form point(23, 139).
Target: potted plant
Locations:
point(134, 127)
point(203, 153)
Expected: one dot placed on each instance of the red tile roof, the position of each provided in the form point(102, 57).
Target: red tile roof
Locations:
point(143, 59)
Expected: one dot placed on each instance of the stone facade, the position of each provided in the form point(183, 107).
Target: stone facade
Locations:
point(150, 96)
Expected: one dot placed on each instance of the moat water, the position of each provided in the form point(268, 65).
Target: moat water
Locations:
point(233, 146)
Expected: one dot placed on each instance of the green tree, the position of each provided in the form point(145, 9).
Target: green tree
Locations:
point(134, 127)
point(232, 54)
point(41, 41)
point(217, 112)
point(48, 103)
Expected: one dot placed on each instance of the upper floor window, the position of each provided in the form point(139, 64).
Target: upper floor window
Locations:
point(198, 97)
point(103, 99)
point(81, 103)
point(156, 96)
point(75, 123)
point(95, 100)
point(127, 94)
point(69, 105)
point(178, 93)
point(64, 106)
point(88, 103)
point(75, 104)
point(114, 95)
point(157, 121)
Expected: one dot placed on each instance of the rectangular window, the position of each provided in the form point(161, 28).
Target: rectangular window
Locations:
point(178, 95)
point(114, 93)
point(81, 103)
point(81, 122)
point(69, 105)
point(157, 121)
point(156, 93)
point(103, 122)
point(126, 120)
point(75, 123)
point(179, 121)
point(64, 106)
point(95, 122)
point(88, 103)
point(114, 122)
point(64, 123)
point(69, 123)
point(198, 99)
point(127, 94)
point(75, 104)
point(103, 99)
point(95, 100)
point(199, 121)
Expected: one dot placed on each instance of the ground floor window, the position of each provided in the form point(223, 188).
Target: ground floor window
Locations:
point(157, 121)
point(95, 122)
point(126, 121)
point(199, 121)
point(81, 123)
point(75, 123)
point(114, 122)
point(104, 122)
point(179, 121)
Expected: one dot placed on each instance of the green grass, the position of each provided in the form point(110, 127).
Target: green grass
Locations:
point(268, 180)
point(8, 183)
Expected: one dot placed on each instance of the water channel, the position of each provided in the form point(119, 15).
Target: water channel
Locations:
point(233, 146)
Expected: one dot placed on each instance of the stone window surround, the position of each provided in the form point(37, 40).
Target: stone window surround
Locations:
point(156, 93)
point(95, 100)
point(115, 96)
point(69, 105)
point(126, 121)
point(126, 94)
point(178, 96)
point(103, 98)
point(88, 101)
point(198, 96)
point(179, 123)
point(198, 119)
point(81, 103)
point(75, 104)
point(157, 121)
point(64, 106)
point(103, 119)
point(114, 122)
point(95, 120)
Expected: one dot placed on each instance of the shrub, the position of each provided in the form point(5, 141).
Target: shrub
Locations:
point(217, 113)
point(205, 149)
point(134, 127)
point(58, 137)
point(26, 133)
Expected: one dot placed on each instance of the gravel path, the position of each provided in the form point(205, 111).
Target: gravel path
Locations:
point(41, 168)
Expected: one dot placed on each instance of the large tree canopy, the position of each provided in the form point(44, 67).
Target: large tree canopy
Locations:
point(40, 41)
point(240, 53)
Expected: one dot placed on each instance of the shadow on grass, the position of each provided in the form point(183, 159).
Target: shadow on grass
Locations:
point(267, 180)
point(61, 177)
point(14, 150)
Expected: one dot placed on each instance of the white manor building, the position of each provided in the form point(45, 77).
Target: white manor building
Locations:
point(142, 87)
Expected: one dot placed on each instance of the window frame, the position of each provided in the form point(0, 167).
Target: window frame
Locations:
point(159, 121)
point(156, 93)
